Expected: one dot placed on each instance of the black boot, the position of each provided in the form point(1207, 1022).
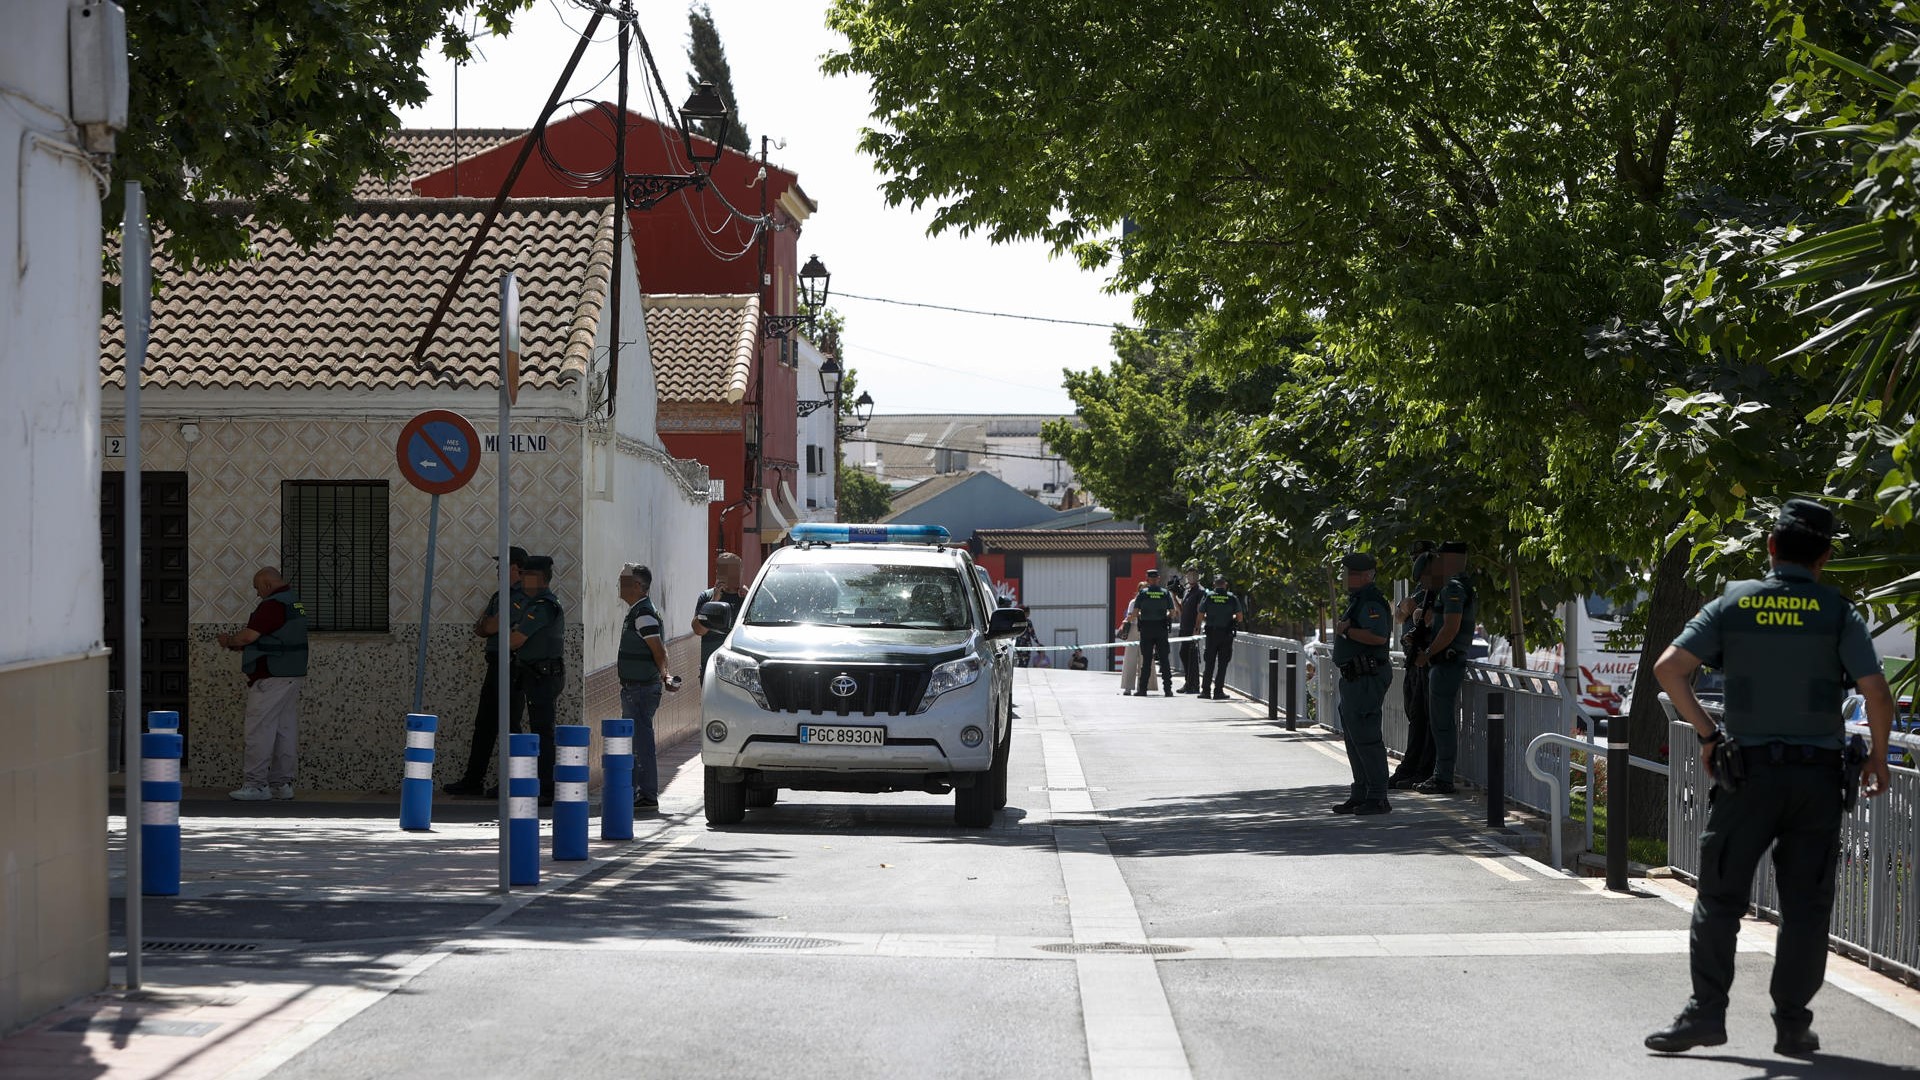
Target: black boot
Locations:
point(1349, 806)
point(1795, 1041)
point(1687, 1031)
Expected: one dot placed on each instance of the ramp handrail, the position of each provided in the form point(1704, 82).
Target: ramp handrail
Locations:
point(1553, 782)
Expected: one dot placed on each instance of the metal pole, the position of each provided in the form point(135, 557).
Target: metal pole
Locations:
point(1496, 760)
point(1293, 689)
point(620, 260)
point(503, 630)
point(1273, 686)
point(1618, 765)
point(426, 604)
point(136, 292)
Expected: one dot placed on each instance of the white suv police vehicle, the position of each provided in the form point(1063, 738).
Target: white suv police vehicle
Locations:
point(864, 658)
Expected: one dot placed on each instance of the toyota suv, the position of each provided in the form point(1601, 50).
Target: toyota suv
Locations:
point(864, 658)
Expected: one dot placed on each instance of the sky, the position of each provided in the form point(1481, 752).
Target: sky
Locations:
point(912, 360)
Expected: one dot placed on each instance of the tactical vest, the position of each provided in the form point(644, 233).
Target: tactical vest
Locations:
point(636, 663)
point(1469, 618)
point(1154, 604)
point(1780, 649)
point(1344, 647)
point(550, 642)
point(1221, 607)
point(285, 650)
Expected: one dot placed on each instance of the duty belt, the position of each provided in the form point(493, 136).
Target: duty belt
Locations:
point(1779, 753)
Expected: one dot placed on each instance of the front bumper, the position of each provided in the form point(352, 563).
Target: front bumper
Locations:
point(923, 745)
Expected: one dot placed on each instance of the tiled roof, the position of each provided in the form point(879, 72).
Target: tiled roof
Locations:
point(1064, 542)
point(702, 346)
point(429, 150)
point(349, 313)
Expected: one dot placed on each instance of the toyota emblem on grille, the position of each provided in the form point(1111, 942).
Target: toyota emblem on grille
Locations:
point(843, 686)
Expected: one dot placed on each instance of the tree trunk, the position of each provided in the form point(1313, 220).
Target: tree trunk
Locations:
point(1673, 601)
point(1519, 642)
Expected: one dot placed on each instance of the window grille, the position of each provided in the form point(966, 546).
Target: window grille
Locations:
point(333, 548)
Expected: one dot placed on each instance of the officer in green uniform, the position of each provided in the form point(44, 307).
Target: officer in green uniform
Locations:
point(1455, 608)
point(642, 666)
point(1153, 610)
point(1415, 612)
point(486, 713)
point(1788, 645)
point(1366, 670)
point(540, 660)
point(1220, 614)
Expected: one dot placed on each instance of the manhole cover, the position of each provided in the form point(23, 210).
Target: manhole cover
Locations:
point(793, 943)
point(200, 946)
point(1114, 948)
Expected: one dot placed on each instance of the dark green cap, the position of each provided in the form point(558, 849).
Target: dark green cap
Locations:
point(1421, 562)
point(538, 564)
point(1807, 516)
point(1454, 547)
point(1358, 562)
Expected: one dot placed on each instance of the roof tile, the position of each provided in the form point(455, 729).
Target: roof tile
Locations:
point(702, 346)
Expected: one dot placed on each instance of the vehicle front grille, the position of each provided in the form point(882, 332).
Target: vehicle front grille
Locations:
point(877, 691)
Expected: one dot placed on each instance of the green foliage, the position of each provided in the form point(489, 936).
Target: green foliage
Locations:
point(709, 62)
point(863, 497)
point(280, 107)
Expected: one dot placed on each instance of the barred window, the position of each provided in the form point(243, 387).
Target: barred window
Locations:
point(333, 548)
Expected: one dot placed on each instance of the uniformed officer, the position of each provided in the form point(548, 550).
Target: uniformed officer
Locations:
point(540, 659)
point(1360, 638)
point(1189, 626)
point(1416, 614)
point(273, 656)
point(1220, 615)
point(642, 666)
point(1153, 613)
point(725, 590)
point(1455, 607)
point(1788, 645)
point(486, 715)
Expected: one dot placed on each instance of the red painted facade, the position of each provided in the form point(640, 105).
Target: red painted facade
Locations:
point(690, 242)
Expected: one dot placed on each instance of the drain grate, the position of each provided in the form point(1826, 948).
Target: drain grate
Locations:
point(1114, 948)
point(201, 946)
point(794, 944)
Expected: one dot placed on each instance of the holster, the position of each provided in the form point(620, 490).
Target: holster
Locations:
point(540, 669)
point(1360, 667)
point(1855, 758)
point(1729, 764)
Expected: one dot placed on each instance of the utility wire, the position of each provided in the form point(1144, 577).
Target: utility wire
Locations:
point(979, 451)
point(1003, 314)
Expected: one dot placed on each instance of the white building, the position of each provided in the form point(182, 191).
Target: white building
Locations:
point(53, 667)
point(905, 448)
point(817, 467)
point(274, 395)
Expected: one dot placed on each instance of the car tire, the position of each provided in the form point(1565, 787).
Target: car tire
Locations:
point(760, 798)
point(726, 800)
point(1001, 768)
point(973, 805)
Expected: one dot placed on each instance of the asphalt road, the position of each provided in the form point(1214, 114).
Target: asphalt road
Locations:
point(1165, 896)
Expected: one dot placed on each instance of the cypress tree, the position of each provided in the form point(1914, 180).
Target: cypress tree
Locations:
point(709, 60)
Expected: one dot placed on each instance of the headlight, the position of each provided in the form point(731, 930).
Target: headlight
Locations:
point(951, 675)
point(741, 671)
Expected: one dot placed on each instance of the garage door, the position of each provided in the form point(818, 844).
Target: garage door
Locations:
point(1067, 600)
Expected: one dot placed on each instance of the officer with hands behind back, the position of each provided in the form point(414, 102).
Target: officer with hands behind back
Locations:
point(1415, 614)
point(1220, 613)
point(1366, 669)
point(1788, 645)
point(1455, 609)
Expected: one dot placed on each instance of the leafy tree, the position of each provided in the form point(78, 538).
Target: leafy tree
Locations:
point(863, 496)
point(709, 60)
point(272, 111)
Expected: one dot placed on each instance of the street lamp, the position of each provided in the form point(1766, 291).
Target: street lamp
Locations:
point(644, 190)
point(830, 375)
point(813, 296)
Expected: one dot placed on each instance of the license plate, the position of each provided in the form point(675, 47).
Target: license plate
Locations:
point(836, 735)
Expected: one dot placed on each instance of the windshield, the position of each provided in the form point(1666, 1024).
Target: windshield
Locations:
point(860, 594)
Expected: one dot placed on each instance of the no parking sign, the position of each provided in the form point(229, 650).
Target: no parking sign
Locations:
point(439, 451)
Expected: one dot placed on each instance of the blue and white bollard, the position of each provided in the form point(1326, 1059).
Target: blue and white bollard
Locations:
point(160, 814)
point(416, 786)
point(164, 721)
point(616, 771)
point(523, 809)
point(570, 775)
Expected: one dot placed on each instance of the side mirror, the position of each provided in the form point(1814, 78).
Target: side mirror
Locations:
point(1007, 622)
point(717, 615)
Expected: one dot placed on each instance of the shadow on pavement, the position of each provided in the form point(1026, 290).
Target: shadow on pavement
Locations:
point(1288, 821)
point(1817, 1067)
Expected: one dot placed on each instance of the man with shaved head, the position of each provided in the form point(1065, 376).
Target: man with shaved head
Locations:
point(273, 657)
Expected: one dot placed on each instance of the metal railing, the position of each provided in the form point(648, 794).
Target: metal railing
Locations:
point(1247, 671)
point(1876, 902)
point(1560, 801)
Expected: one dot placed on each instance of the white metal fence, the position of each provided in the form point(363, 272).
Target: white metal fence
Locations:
point(1247, 671)
point(1876, 905)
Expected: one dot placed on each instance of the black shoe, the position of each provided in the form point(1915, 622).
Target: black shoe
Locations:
point(1372, 807)
point(1189, 689)
point(1795, 1042)
point(1349, 807)
point(1124, 692)
point(645, 802)
point(1167, 692)
point(1434, 787)
point(1686, 1032)
point(467, 788)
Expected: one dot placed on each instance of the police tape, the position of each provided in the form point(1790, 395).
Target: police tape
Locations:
point(1103, 644)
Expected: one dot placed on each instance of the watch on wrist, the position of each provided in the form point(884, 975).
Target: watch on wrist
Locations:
point(1713, 736)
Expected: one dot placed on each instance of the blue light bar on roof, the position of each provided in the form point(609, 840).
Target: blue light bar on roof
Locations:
point(823, 533)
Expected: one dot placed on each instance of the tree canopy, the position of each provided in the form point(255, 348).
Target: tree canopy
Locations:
point(280, 107)
point(708, 58)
